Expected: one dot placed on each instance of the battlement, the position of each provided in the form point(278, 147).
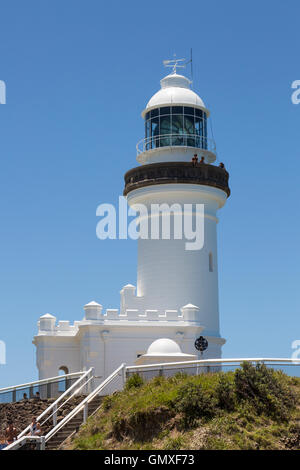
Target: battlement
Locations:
point(94, 316)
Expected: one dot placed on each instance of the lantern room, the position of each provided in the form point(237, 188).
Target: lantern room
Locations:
point(175, 124)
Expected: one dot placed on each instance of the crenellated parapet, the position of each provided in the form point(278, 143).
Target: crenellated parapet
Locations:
point(188, 314)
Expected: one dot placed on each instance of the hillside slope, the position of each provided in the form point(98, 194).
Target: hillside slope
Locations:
point(21, 413)
point(252, 408)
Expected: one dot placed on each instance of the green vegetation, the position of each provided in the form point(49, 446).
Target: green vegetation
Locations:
point(251, 408)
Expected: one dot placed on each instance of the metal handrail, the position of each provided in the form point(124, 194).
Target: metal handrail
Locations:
point(21, 442)
point(85, 402)
point(206, 362)
point(53, 406)
point(68, 399)
point(41, 382)
point(153, 142)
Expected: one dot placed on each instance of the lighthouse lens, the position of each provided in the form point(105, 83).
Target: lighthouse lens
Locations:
point(189, 126)
point(165, 130)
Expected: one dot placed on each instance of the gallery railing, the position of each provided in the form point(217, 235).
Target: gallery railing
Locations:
point(176, 140)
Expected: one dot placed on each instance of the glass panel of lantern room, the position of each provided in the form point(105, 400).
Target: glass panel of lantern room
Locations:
point(166, 111)
point(198, 125)
point(177, 124)
point(204, 131)
point(189, 130)
point(188, 111)
point(155, 132)
point(189, 125)
point(165, 130)
point(177, 130)
point(148, 134)
point(154, 113)
point(177, 109)
point(197, 131)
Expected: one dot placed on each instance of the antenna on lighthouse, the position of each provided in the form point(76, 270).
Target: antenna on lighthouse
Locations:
point(191, 62)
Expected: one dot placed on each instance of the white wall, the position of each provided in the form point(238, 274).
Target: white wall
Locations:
point(168, 275)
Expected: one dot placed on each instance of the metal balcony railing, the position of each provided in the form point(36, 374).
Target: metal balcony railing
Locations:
point(176, 140)
point(290, 367)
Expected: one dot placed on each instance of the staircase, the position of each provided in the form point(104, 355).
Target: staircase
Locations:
point(69, 415)
point(73, 425)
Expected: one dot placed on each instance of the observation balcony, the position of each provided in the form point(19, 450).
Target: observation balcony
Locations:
point(176, 172)
point(164, 143)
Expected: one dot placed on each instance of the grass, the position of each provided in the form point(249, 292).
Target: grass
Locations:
point(250, 409)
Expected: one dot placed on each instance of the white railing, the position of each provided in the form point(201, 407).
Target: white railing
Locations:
point(39, 440)
point(210, 363)
point(84, 381)
point(176, 140)
point(124, 371)
point(38, 383)
point(83, 406)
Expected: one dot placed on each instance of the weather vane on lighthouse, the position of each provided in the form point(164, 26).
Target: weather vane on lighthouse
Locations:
point(182, 63)
point(175, 63)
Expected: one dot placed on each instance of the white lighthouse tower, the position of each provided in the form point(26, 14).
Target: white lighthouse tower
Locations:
point(176, 297)
point(170, 276)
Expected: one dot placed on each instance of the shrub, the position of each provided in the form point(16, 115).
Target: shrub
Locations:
point(107, 402)
point(225, 392)
point(135, 381)
point(157, 381)
point(264, 389)
point(193, 403)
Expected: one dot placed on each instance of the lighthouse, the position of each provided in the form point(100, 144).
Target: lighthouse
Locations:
point(177, 169)
point(174, 303)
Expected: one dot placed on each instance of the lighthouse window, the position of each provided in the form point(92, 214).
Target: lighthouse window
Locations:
point(148, 127)
point(177, 110)
point(198, 126)
point(164, 111)
point(177, 126)
point(189, 125)
point(165, 124)
point(199, 113)
point(155, 127)
point(189, 111)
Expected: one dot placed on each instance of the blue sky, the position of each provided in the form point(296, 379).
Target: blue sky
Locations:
point(78, 74)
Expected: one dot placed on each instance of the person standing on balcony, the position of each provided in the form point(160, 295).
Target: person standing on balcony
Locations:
point(195, 160)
